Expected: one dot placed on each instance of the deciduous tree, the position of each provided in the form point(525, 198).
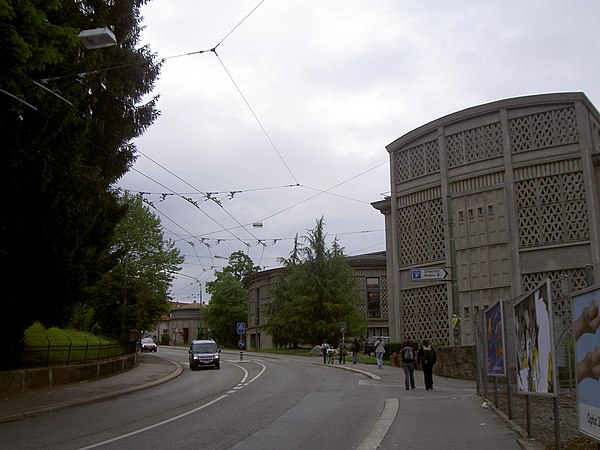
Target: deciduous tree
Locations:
point(229, 299)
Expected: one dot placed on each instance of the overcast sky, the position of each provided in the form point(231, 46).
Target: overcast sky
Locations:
point(287, 121)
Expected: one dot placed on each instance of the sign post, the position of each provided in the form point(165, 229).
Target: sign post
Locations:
point(241, 330)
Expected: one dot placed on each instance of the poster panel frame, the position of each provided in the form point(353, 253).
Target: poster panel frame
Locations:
point(534, 342)
point(586, 341)
point(495, 343)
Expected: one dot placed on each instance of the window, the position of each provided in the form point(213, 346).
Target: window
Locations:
point(373, 297)
point(466, 313)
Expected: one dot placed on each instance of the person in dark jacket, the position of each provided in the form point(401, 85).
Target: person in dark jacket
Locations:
point(427, 358)
point(355, 349)
point(408, 362)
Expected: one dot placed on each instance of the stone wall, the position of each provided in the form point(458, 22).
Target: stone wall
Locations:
point(30, 379)
point(456, 362)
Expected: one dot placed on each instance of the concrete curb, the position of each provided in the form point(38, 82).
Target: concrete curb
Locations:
point(93, 398)
point(351, 369)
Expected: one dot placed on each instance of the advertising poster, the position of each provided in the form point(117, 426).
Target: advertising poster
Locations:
point(536, 372)
point(586, 324)
point(494, 340)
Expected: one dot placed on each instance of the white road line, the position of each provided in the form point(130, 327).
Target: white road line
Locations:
point(158, 424)
point(382, 426)
point(240, 385)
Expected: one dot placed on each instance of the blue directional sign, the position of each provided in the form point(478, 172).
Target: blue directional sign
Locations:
point(430, 273)
point(241, 328)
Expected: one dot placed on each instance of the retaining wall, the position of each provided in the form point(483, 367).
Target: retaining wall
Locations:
point(45, 377)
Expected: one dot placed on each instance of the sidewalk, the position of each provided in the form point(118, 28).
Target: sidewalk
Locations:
point(150, 371)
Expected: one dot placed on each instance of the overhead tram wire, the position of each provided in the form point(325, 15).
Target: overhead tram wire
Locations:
point(197, 190)
point(197, 52)
point(228, 230)
point(213, 50)
point(257, 119)
point(93, 145)
point(323, 192)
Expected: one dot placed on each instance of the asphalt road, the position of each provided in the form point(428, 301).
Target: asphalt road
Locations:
point(272, 403)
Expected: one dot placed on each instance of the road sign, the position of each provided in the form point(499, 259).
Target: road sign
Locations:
point(241, 328)
point(241, 344)
point(343, 327)
point(432, 273)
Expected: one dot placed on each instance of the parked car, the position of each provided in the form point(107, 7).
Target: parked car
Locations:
point(147, 345)
point(204, 353)
point(370, 343)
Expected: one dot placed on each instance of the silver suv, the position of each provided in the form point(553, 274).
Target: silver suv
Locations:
point(204, 353)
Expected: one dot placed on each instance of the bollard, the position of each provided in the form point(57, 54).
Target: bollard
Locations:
point(241, 355)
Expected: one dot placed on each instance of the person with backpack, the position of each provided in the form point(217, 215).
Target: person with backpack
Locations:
point(427, 358)
point(343, 351)
point(408, 361)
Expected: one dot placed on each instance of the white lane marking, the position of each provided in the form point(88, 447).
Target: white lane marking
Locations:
point(382, 426)
point(172, 419)
point(158, 424)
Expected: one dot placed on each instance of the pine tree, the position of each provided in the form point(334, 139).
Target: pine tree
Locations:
point(314, 294)
point(67, 118)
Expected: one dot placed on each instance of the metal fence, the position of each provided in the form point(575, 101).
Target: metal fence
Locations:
point(66, 352)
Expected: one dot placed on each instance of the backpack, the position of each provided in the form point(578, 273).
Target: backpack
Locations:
point(408, 354)
point(428, 357)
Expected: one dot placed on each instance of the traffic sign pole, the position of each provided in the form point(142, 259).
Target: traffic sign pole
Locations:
point(241, 329)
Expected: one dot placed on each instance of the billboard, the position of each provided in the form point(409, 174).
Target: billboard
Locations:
point(494, 340)
point(534, 336)
point(586, 324)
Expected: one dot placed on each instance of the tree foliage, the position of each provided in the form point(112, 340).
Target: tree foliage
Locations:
point(67, 118)
point(314, 294)
point(229, 299)
point(133, 294)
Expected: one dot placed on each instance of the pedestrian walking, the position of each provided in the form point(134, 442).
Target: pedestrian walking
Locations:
point(324, 347)
point(355, 348)
point(343, 352)
point(427, 358)
point(408, 361)
point(379, 351)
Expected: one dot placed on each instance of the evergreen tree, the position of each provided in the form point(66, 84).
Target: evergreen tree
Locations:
point(315, 293)
point(67, 118)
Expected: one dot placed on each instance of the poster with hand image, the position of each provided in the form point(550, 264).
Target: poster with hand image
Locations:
point(534, 337)
point(586, 331)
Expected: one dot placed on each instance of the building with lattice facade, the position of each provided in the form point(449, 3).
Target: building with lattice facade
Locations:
point(501, 196)
point(370, 273)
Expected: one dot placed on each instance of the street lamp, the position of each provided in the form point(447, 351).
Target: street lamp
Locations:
point(97, 38)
